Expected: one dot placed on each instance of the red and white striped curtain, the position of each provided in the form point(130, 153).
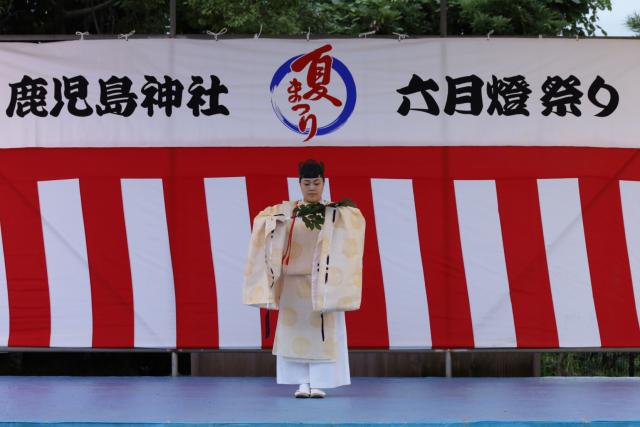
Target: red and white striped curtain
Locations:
point(465, 247)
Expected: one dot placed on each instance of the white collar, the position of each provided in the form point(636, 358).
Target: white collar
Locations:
point(302, 202)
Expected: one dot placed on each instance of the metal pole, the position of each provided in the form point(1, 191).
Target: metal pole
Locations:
point(174, 364)
point(172, 17)
point(443, 18)
point(447, 364)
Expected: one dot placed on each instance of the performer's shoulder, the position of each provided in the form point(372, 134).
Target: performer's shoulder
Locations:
point(277, 209)
point(269, 210)
point(354, 210)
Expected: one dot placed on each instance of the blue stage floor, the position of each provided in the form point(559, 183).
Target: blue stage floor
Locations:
point(209, 401)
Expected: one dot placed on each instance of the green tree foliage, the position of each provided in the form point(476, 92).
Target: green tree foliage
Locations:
point(349, 17)
point(383, 16)
point(526, 17)
point(245, 17)
point(633, 22)
point(610, 364)
point(294, 17)
point(94, 16)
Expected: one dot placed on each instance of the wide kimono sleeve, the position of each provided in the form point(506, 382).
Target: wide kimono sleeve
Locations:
point(262, 282)
point(336, 283)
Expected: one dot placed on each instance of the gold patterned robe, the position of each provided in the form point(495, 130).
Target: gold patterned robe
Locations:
point(324, 275)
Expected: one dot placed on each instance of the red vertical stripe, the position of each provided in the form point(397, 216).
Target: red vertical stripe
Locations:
point(367, 327)
point(193, 277)
point(526, 260)
point(263, 191)
point(109, 269)
point(449, 310)
point(609, 262)
point(27, 284)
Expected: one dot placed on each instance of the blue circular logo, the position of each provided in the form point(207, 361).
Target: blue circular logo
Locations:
point(347, 107)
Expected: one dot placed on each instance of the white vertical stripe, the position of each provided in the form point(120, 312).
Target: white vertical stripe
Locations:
point(568, 263)
point(484, 264)
point(150, 257)
point(296, 194)
point(4, 300)
point(399, 247)
point(630, 196)
point(67, 264)
point(230, 230)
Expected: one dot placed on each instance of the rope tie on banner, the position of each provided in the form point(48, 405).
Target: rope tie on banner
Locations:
point(489, 34)
point(308, 33)
point(258, 34)
point(401, 36)
point(216, 35)
point(82, 34)
point(127, 35)
point(368, 33)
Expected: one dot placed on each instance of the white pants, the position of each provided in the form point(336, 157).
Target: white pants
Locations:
point(318, 374)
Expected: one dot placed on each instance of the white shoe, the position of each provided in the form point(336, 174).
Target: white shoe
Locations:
point(316, 392)
point(302, 391)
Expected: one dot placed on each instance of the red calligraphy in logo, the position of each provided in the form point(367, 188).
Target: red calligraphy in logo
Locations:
point(303, 109)
point(318, 66)
point(318, 74)
point(312, 84)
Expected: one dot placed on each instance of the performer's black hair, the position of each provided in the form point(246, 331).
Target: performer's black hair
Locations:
point(310, 169)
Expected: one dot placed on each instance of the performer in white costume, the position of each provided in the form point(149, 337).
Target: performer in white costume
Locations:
point(311, 337)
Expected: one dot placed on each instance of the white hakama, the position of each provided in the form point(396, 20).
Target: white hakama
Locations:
point(318, 374)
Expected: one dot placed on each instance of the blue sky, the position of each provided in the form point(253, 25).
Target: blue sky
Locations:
point(613, 21)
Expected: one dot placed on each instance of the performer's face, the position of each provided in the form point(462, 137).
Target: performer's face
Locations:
point(312, 189)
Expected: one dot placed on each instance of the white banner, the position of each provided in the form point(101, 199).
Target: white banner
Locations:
point(360, 92)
